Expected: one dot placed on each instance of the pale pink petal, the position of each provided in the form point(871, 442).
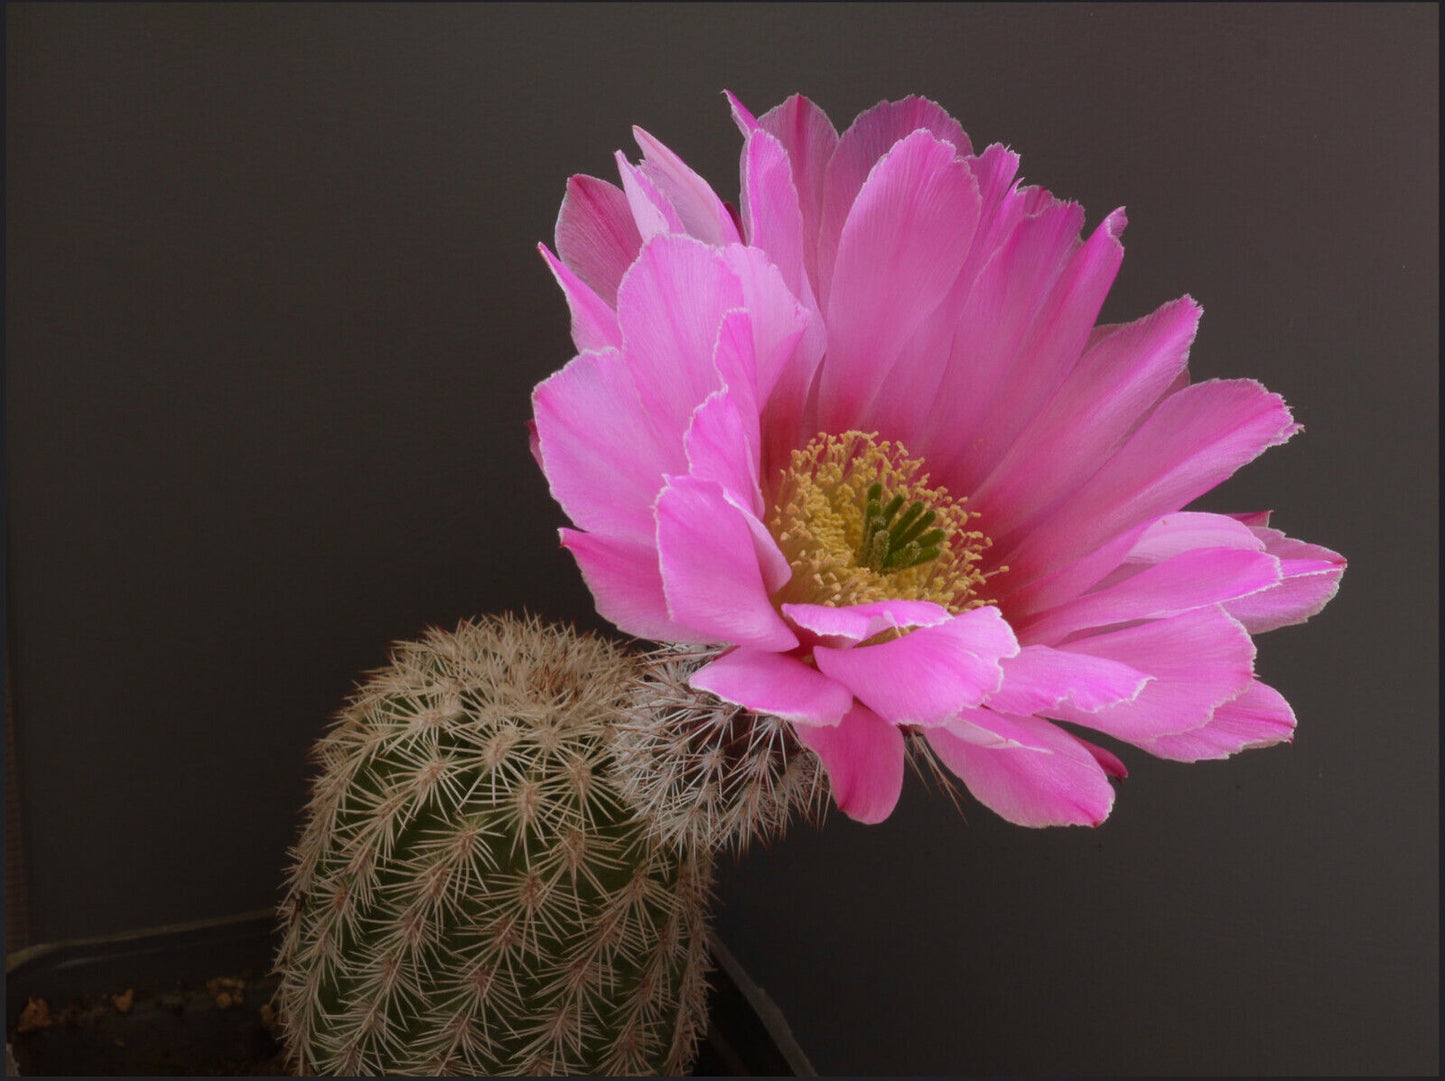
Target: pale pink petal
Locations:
point(855, 623)
point(867, 141)
point(626, 584)
point(721, 446)
point(711, 573)
point(596, 235)
point(1121, 376)
point(863, 756)
point(1051, 349)
point(1040, 678)
point(602, 456)
point(594, 323)
point(1191, 442)
point(1199, 660)
point(810, 139)
point(1177, 584)
point(775, 684)
point(1311, 577)
point(929, 674)
point(1027, 771)
point(651, 209)
point(702, 213)
point(670, 305)
point(901, 248)
point(1259, 717)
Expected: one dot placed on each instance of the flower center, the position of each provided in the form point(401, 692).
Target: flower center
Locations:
point(857, 522)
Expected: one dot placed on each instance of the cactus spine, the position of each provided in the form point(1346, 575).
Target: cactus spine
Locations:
point(706, 773)
point(471, 893)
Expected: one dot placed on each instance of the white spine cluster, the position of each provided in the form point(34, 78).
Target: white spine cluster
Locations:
point(706, 773)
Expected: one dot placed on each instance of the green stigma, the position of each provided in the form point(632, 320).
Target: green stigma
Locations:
point(893, 541)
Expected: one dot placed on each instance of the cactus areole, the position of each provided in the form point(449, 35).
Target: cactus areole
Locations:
point(471, 894)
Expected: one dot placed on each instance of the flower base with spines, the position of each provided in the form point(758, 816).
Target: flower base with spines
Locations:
point(471, 893)
point(706, 773)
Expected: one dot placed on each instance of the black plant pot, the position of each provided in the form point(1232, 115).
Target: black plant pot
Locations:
point(194, 1000)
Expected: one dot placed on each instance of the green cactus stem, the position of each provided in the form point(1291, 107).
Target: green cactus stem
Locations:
point(471, 892)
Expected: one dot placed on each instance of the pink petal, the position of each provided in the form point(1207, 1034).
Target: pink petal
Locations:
point(863, 755)
point(1199, 660)
point(1178, 584)
point(773, 221)
point(810, 139)
point(1259, 717)
point(929, 674)
point(855, 623)
point(775, 684)
point(1027, 771)
point(594, 323)
point(651, 210)
point(700, 210)
point(1040, 678)
point(626, 584)
point(670, 306)
point(711, 572)
point(1051, 349)
point(746, 122)
point(778, 321)
point(1066, 581)
point(722, 445)
point(922, 363)
point(596, 235)
point(772, 218)
point(1252, 518)
point(1311, 577)
point(1001, 305)
point(1195, 439)
point(534, 443)
point(901, 248)
point(1187, 530)
point(1120, 377)
point(867, 141)
point(788, 343)
point(1108, 761)
point(602, 455)
point(1003, 205)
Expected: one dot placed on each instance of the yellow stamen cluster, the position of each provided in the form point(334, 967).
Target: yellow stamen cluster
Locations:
point(822, 510)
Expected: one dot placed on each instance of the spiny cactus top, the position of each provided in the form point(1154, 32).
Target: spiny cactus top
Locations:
point(471, 894)
point(705, 772)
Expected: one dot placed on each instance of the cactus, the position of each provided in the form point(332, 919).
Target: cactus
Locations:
point(706, 773)
point(471, 893)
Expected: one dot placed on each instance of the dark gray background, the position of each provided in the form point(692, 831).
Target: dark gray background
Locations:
point(273, 313)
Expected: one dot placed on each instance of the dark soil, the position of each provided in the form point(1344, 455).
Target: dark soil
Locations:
point(223, 1029)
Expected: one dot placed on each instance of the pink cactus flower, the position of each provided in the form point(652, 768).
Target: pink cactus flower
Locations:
point(864, 432)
